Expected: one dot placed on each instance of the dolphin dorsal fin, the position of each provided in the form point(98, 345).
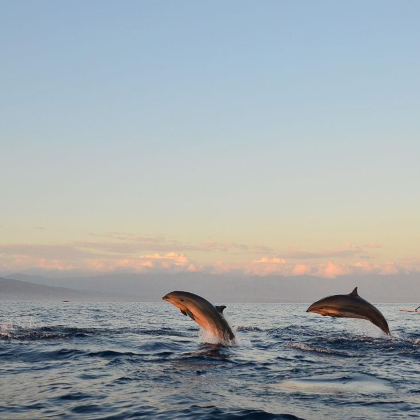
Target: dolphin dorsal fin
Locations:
point(354, 292)
point(220, 308)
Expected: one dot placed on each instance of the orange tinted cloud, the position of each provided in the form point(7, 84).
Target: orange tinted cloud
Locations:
point(373, 245)
point(331, 270)
point(345, 252)
point(233, 246)
point(301, 269)
point(170, 262)
point(266, 260)
point(142, 254)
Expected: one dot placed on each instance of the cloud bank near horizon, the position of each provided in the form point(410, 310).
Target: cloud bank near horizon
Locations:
point(122, 252)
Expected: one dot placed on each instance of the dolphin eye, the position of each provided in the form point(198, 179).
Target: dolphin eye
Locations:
point(182, 300)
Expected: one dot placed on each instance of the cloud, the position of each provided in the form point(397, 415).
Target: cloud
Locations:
point(266, 260)
point(372, 245)
point(175, 262)
point(50, 251)
point(233, 246)
point(21, 263)
point(76, 257)
point(113, 250)
point(278, 266)
point(301, 269)
point(384, 268)
point(266, 266)
point(123, 243)
point(346, 252)
point(331, 270)
point(124, 236)
point(170, 262)
point(116, 251)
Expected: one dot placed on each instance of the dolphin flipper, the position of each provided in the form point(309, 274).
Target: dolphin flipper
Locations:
point(190, 314)
point(204, 313)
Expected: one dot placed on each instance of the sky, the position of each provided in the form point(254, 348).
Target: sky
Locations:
point(273, 137)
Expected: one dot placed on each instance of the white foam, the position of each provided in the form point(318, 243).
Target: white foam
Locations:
point(10, 330)
point(6, 330)
point(307, 347)
point(242, 342)
point(206, 336)
point(332, 384)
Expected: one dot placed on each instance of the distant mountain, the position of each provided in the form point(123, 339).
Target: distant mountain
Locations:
point(221, 288)
point(11, 289)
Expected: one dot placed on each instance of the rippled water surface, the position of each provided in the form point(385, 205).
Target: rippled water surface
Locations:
point(147, 360)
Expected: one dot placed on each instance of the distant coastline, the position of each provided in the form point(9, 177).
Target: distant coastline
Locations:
point(217, 288)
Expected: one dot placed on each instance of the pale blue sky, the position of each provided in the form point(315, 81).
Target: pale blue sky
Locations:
point(277, 123)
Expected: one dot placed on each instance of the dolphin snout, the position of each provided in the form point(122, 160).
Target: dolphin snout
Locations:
point(310, 308)
point(315, 308)
point(166, 297)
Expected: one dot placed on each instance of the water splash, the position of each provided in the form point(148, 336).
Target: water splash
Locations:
point(206, 336)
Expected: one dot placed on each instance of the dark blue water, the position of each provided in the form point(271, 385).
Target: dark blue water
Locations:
point(147, 360)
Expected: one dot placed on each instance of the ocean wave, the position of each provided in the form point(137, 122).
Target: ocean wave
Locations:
point(132, 364)
point(14, 332)
point(214, 413)
point(245, 328)
point(306, 347)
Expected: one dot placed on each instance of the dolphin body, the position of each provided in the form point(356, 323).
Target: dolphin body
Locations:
point(201, 311)
point(350, 306)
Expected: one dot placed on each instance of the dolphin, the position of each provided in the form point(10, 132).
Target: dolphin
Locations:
point(201, 311)
point(350, 306)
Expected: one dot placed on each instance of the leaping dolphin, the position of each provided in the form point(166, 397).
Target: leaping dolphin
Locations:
point(350, 306)
point(201, 311)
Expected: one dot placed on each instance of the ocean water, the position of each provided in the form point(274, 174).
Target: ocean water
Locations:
point(147, 360)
